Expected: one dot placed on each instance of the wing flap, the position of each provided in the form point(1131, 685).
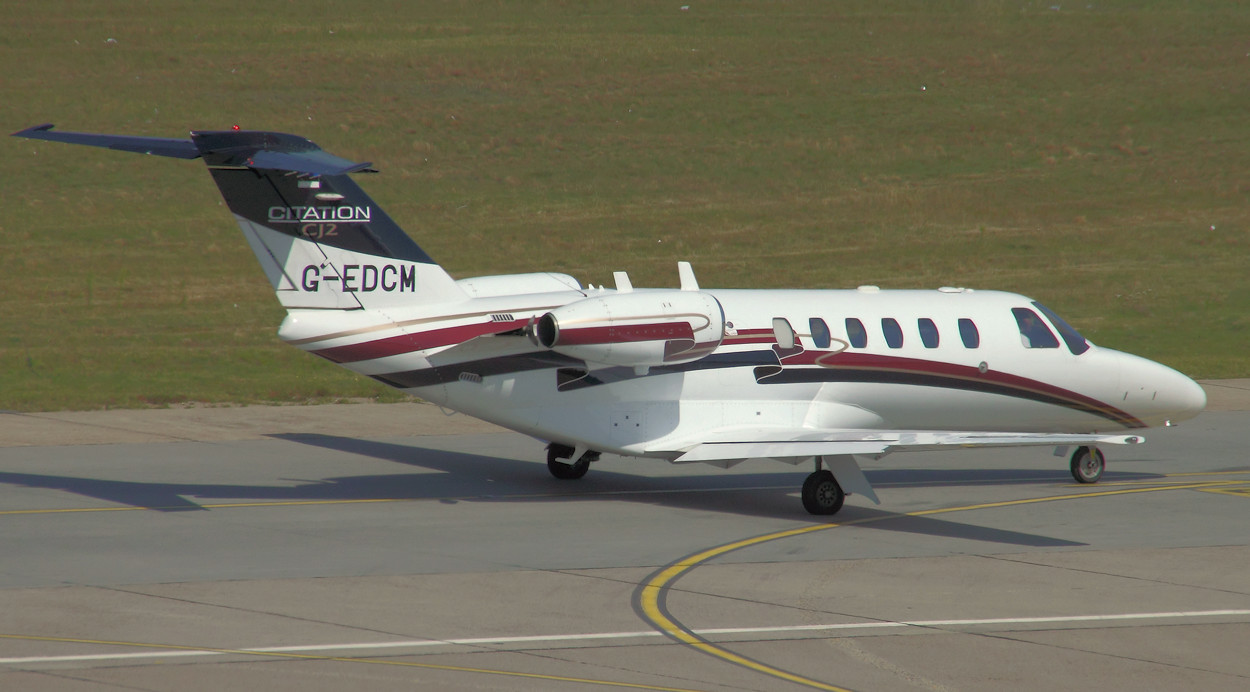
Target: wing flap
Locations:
point(779, 449)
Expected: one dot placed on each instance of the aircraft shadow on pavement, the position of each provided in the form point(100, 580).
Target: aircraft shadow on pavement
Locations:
point(461, 477)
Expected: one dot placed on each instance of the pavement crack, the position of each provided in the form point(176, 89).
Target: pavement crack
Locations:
point(253, 611)
point(851, 648)
point(1105, 654)
point(92, 681)
point(682, 679)
point(1081, 570)
point(100, 426)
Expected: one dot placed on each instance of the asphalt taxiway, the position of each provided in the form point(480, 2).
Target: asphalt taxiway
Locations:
point(391, 547)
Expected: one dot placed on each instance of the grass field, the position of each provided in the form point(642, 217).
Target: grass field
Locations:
point(1093, 156)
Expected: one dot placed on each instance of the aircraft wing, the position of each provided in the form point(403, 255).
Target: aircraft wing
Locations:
point(839, 448)
point(798, 444)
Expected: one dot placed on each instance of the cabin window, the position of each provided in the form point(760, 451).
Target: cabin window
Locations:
point(928, 332)
point(820, 332)
point(855, 333)
point(1076, 343)
point(968, 333)
point(893, 332)
point(1033, 332)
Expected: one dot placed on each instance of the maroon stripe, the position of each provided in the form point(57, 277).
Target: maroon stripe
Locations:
point(407, 343)
point(655, 331)
point(927, 367)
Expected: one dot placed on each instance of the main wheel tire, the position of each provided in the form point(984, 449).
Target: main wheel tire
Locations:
point(567, 472)
point(821, 493)
point(1087, 465)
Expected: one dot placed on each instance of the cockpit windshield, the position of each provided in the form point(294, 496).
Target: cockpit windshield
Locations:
point(1077, 344)
point(1033, 332)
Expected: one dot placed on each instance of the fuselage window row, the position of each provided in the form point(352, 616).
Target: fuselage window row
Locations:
point(857, 335)
point(1034, 333)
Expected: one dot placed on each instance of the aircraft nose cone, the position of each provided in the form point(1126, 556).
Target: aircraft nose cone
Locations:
point(1179, 398)
point(1190, 398)
point(1157, 394)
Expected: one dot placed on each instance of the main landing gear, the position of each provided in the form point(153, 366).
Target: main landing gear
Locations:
point(568, 470)
point(821, 492)
point(1087, 465)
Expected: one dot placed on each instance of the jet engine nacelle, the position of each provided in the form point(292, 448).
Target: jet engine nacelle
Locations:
point(639, 329)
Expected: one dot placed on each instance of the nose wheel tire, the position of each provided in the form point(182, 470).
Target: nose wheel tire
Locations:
point(822, 494)
point(1088, 463)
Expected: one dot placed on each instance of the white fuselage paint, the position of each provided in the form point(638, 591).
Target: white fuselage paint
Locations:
point(453, 354)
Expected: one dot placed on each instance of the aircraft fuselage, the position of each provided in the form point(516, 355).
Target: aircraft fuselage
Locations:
point(962, 363)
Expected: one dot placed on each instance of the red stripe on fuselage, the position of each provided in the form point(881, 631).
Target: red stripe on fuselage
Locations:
point(629, 333)
point(420, 341)
point(867, 361)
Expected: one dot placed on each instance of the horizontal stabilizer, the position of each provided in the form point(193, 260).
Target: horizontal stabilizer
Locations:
point(322, 242)
point(156, 146)
point(243, 148)
point(310, 163)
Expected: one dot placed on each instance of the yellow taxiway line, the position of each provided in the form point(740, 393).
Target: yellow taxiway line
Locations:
point(650, 598)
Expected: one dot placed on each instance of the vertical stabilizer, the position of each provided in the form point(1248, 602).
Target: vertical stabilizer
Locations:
point(322, 242)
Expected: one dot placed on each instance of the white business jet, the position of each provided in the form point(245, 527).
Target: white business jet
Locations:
point(826, 377)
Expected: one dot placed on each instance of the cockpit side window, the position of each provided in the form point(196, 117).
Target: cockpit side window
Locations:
point(1033, 332)
point(820, 332)
point(855, 333)
point(1076, 343)
point(893, 332)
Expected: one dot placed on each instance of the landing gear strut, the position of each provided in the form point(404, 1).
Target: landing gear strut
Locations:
point(821, 492)
point(1087, 465)
point(565, 470)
